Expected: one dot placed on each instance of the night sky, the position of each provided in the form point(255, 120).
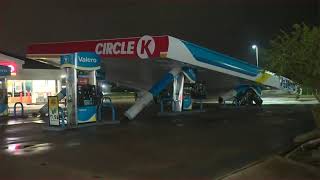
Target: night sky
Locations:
point(228, 26)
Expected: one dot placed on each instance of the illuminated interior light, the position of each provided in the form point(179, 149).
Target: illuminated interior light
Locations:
point(12, 68)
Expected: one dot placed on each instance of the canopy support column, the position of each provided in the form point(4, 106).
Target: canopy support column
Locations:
point(147, 98)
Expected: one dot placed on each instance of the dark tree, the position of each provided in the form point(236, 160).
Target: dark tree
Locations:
point(296, 55)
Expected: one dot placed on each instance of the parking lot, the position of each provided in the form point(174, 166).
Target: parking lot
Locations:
point(194, 146)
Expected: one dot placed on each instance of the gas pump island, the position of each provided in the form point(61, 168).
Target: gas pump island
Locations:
point(4, 72)
point(81, 87)
point(82, 106)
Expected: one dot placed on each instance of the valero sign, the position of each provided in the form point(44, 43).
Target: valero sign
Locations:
point(81, 60)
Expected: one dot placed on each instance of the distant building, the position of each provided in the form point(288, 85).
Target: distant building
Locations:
point(30, 81)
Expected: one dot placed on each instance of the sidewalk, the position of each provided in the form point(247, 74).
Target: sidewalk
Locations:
point(276, 168)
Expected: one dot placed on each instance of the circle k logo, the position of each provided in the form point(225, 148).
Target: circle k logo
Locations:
point(145, 47)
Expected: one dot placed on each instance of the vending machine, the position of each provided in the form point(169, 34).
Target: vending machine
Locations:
point(4, 72)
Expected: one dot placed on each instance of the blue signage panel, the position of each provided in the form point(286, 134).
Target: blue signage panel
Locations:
point(5, 71)
point(67, 60)
point(87, 114)
point(81, 61)
point(187, 103)
point(3, 109)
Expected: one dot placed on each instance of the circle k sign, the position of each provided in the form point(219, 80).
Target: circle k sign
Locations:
point(143, 48)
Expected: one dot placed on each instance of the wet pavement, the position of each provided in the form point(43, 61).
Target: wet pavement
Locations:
point(197, 146)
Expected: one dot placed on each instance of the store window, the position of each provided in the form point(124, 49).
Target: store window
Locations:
point(31, 91)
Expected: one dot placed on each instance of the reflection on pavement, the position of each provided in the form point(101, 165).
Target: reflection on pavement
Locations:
point(27, 149)
point(22, 121)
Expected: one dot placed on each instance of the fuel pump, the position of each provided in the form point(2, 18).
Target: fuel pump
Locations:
point(4, 72)
point(87, 96)
point(187, 99)
point(81, 88)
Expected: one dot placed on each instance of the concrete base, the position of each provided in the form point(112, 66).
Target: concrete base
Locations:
point(180, 113)
point(59, 128)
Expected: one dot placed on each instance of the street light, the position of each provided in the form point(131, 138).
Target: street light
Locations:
point(255, 47)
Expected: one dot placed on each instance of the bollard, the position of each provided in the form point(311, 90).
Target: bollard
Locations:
point(110, 105)
point(15, 109)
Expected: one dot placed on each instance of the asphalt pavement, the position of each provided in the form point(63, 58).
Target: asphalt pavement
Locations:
point(194, 146)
